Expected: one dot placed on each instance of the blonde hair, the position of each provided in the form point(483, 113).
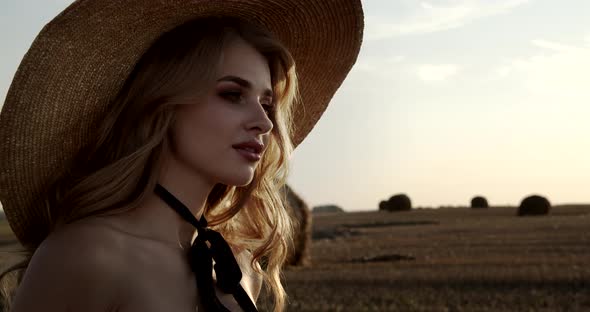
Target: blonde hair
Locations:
point(116, 173)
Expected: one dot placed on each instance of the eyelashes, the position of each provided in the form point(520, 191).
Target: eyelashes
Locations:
point(232, 96)
point(236, 97)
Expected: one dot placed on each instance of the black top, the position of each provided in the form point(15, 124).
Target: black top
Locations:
point(201, 258)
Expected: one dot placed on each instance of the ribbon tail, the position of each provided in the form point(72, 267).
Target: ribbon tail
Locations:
point(202, 265)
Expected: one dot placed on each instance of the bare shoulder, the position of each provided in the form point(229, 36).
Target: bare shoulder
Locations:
point(77, 268)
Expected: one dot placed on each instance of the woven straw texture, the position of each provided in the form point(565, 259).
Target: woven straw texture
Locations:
point(80, 60)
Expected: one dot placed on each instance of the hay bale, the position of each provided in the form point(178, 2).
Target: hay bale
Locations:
point(327, 208)
point(300, 254)
point(479, 202)
point(534, 205)
point(398, 202)
point(383, 206)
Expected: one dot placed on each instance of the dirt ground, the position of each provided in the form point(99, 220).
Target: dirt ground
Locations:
point(455, 259)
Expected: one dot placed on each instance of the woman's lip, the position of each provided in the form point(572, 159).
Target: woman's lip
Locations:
point(250, 156)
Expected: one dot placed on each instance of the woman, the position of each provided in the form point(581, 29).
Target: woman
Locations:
point(131, 124)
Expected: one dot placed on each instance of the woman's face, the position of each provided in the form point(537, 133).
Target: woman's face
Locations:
point(236, 109)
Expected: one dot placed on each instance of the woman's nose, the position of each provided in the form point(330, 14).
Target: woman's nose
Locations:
point(260, 119)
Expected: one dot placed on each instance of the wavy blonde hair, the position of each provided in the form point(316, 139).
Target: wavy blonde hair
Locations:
point(116, 172)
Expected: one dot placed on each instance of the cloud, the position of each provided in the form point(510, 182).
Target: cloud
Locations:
point(439, 72)
point(503, 71)
point(398, 67)
point(428, 18)
point(557, 71)
point(549, 45)
point(377, 64)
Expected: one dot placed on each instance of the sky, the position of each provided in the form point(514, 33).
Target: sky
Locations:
point(449, 99)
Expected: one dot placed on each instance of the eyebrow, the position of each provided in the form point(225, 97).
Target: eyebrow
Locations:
point(244, 83)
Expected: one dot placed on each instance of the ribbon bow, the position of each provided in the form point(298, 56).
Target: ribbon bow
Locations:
point(201, 256)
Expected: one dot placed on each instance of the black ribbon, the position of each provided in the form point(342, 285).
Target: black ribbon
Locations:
point(201, 256)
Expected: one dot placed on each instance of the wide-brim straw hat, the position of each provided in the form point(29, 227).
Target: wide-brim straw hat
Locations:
point(80, 60)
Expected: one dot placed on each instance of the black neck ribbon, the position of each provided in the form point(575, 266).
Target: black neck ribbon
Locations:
point(201, 256)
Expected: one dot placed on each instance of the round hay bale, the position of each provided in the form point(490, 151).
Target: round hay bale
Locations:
point(383, 206)
point(327, 209)
point(399, 202)
point(300, 253)
point(534, 205)
point(479, 202)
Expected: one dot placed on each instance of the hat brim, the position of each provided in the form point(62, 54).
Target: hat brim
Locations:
point(80, 60)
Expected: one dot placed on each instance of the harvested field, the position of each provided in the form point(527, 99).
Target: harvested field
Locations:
point(456, 259)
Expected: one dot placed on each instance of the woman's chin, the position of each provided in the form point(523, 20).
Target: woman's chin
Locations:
point(240, 180)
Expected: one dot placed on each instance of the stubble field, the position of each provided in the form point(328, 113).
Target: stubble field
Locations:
point(455, 259)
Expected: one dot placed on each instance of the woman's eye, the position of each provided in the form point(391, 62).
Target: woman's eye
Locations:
point(268, 108)
point(233, 96)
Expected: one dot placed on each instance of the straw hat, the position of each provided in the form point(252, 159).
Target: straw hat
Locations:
point(80, 60)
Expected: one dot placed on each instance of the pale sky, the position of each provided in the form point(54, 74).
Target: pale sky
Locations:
point(449, 99)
